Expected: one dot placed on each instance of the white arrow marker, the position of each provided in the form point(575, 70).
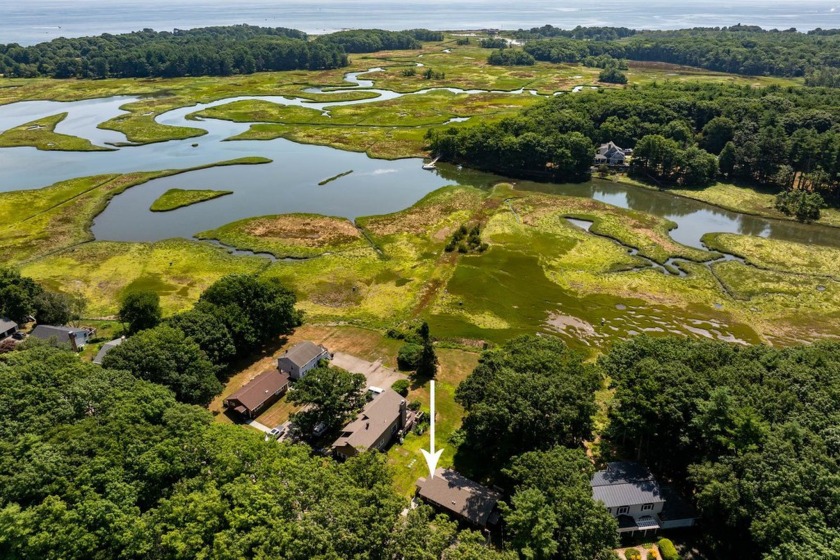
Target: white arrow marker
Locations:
point(432, 456)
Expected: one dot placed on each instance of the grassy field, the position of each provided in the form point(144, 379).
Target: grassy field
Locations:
point(103, 271)
point(290, 235)
point(178, 198)
point(782, 256)
point(41, 134)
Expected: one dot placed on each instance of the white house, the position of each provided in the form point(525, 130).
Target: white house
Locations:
point(302, 357)
point(634, 497)
point(610, 154)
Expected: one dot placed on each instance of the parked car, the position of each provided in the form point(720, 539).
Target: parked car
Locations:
point(320, 429)
point(278, 432)
point(19, 335)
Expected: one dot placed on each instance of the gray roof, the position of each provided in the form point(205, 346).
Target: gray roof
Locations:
point(6, 324)
point(303, 353)
point(460, 495)
point(61, 334)
point(372, 422)
point(625, 484)
point(107, 347)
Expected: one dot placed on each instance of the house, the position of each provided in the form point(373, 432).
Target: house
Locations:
point(7, 328)
point(461, 498)
point(634, 497)
point(610, 154)
point(70, 337)
point(258, 394)
point(382, 418)
point(302, 357)
point(107, 347)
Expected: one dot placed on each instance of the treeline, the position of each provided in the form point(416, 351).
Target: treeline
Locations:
point(510, 57)
point(210, 51)
point(579, 32)
point(373, 40)
point(750, 432)
point(685, 134)
point(737, 49)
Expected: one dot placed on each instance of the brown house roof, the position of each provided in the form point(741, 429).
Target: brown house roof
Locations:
point(460, 495)
point(260, 389)
point(372, 422)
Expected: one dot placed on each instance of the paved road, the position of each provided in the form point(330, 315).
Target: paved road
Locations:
point(376, 374)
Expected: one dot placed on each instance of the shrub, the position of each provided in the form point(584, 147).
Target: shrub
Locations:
point(414, 405)
point(409, 72)
point(401, 387)
point(409, 356)
point(612, 76)
point(652, 554)
point(668, 550)
point(632, 554)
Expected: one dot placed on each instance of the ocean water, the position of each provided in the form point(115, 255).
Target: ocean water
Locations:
point(31, 21)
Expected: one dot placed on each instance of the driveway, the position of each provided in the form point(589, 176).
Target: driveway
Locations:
point(376, 374)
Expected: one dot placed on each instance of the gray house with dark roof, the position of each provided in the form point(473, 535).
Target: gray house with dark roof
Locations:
point(634, 497)
point(302, 357)
point(461, 498)
point(70, 337)
point(7, 328)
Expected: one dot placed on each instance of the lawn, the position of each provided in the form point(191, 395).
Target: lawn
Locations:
point(178, 198)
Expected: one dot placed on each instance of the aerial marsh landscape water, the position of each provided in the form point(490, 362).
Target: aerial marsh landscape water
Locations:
point(592, 286)
point(430, 208)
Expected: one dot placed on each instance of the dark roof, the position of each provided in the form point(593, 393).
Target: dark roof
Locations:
point(62, 334)
point(260, 389)
point(676, 507)
point(460, 495)
point(107, 347)
point(303, 353)
point(6, 324)
point(625, 484)
point(372, 422)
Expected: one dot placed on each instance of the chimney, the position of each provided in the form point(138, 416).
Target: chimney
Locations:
point(403, 414)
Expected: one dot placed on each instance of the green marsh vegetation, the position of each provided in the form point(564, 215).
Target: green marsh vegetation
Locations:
point(290, 235)
point(38, 222)
point(178, 198)
point(41, 134)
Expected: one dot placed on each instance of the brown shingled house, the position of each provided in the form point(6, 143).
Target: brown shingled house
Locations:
point(461, 498)
point(258, 394)
point(375, 426)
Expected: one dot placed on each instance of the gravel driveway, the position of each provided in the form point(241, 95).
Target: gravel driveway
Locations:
point(376, 374)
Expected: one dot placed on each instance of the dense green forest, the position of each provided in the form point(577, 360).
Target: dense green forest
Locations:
point(97, 464)
point(751, 432)
point(683, 134)
point(210, 51)
point(738, 49)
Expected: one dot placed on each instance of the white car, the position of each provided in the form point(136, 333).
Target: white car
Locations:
point(277, 433)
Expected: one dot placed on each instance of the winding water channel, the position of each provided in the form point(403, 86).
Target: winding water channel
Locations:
point(290, 182)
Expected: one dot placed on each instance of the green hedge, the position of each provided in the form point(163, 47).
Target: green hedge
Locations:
point(632, 554)
point(668, 550)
